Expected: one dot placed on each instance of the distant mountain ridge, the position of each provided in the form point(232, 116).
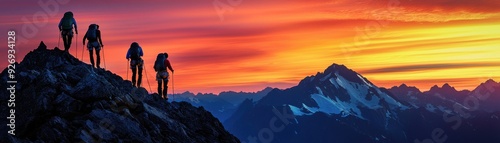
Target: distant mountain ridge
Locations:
point(222, 105)
point(447, 94)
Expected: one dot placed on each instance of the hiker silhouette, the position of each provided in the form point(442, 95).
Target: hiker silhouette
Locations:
point(162, 75)
point(66, 29)
point(134, 55)
point(93, 35)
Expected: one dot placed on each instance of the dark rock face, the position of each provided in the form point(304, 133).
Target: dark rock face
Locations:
point(61, 99)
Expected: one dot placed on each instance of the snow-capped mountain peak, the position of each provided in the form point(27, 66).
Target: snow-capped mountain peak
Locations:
point(341, 91)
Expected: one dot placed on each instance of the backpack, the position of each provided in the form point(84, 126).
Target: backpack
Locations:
point(160, 62)
point(134, 51)
point(67, 21)
point(92, 32)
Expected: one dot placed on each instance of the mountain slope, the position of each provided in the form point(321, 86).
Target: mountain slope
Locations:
point(60, 99)
point(488, 93)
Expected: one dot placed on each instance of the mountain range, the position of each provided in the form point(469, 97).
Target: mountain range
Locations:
point(340, 105)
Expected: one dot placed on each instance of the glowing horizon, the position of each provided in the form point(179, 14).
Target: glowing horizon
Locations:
point(278, 43)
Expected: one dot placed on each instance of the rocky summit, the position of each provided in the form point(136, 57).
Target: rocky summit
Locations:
point(61, 99)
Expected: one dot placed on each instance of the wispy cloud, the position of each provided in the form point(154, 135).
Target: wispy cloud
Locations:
point(428, 67)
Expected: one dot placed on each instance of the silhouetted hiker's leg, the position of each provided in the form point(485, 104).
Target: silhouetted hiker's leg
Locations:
point(98, 58)
point(70, 37)
point(91, 53)
point(134, 72)
point(139, 80)
point(165, 87)
point(65, 40)
point(159, 88)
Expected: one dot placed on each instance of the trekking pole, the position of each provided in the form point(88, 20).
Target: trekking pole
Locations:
point(127, 67)
point(59, 40)
point(76, 42)
point(173, 91)
point(83, 51)
point(147, 76)
point(76, 51)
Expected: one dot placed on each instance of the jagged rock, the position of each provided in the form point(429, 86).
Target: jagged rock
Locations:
point(86, 88)
point(42, 46)
point(53, 128)
point(67, 105)
point(61, 99)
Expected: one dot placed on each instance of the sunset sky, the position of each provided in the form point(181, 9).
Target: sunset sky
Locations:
point(247, 45)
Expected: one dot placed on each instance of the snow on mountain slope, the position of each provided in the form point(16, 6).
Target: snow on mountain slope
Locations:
point(359, 92)
point(361, 95)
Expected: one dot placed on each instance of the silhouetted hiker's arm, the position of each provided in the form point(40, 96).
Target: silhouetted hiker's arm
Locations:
point(60, 25)
point(99, 37)
point(76, 28)
point(84, 37)
point(128, 54)
point(168, 65)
